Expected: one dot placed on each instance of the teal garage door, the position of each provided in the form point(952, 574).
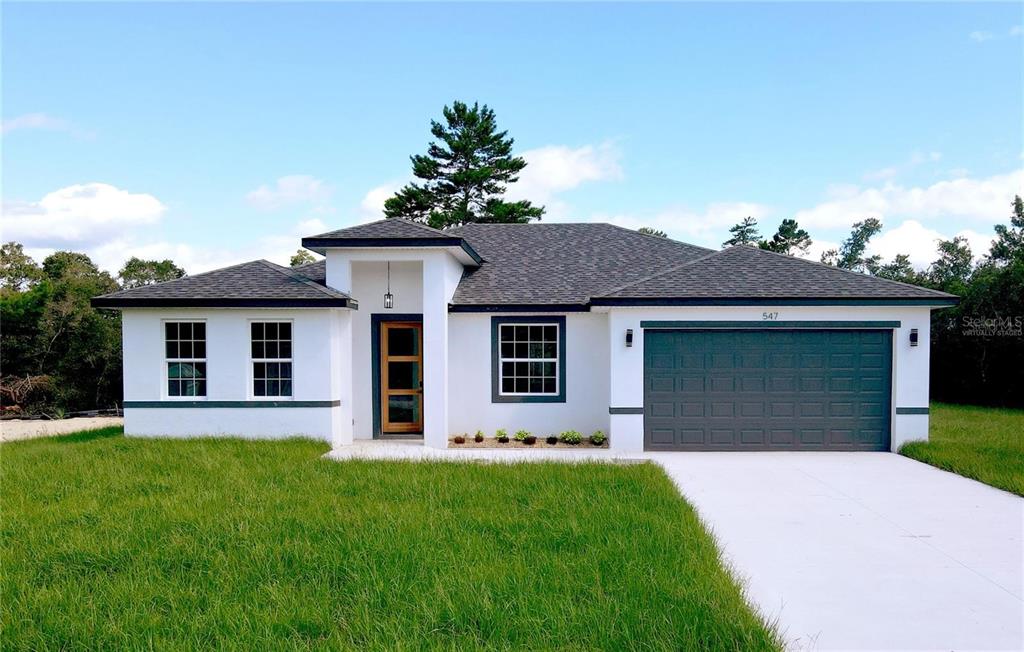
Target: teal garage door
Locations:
point(734, 390)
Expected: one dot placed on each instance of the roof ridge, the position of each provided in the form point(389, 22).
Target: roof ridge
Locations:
point(412, 223)
point(648, 235)
point(849, 271)
point(292, 275)
point(667, 270)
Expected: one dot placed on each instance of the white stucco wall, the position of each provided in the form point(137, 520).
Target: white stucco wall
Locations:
point(318, 347)
point(586, 381)
point(910, 364)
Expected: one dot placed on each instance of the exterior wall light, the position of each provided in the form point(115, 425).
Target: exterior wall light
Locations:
point(629, 337)
point(913, 337)
point(389, 299)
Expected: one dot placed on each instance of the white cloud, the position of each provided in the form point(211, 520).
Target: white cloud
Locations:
point(920, 243)
point(979, 36)
point(556, 168)
point(82, 214)
point(288, 190)
point(985, 200)
point(34, 121)
point(372, 205)
point(914, 160)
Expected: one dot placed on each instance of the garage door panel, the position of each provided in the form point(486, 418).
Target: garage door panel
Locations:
point(771, 390)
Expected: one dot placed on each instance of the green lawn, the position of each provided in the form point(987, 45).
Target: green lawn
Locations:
point(118, 543)
point(986, 444)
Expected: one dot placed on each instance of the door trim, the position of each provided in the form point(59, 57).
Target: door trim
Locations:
point(376, 319)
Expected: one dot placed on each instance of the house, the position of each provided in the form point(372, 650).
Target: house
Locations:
point(407, 331)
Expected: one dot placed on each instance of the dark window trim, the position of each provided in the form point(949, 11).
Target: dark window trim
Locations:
point(376, 319)
point(231, 404)
point(496, 322)
point(760, 325)
point(912, 410)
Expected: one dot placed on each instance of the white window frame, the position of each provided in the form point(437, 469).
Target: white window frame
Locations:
point(165, 375)
point(555, 360)
point(252, 361)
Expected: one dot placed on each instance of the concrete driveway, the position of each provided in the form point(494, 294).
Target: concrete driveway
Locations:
point(865, 550)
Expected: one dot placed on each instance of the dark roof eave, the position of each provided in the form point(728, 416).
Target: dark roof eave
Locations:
point(314, 243)
point(518, 307)
point(776, 301)
point(116, 303)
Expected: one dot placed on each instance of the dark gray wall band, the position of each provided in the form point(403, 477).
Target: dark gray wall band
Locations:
point(232, 404)
point(625, 410)
point(911, 410)
point(757, 325)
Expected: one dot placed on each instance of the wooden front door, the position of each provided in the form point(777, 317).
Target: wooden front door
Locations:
point(401, 377)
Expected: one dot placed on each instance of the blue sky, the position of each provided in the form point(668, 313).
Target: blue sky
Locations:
point(214, 133)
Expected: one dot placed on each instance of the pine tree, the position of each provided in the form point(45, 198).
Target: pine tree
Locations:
point(789, 239)
point(464, 174)
point(647, 230)
point(850, 254)
point(745, 233)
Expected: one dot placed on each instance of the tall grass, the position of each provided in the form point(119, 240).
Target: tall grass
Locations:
point(983, 443)
point(119, 543)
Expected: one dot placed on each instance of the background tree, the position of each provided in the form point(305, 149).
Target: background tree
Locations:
point(850, 254)
point(464, 174)
point(646, 230)
point(137, 272)
point(744, 233)
point(789, 239)
point(301, 257)
point(17, 269)
point(900, 269)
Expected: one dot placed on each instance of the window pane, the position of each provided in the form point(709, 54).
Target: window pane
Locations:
point(185, 330)
point(199, 330)
point(284, 331)
point(172, 349)
point(536, 333)
point(273, 370)
point(547, 369)
point(173, 388)
point(171, 330)
point(185, 349)
point(174, 370)
point(522, 369)
point(286, 370)
point(259, 387)
point(285, 349)
point(522, 385)
point(536, 385)
point(508, 334)
point(535, 368)
point(522, 350)
point(273, 388)
point(259, 370)
point(508, 369)
point(402, 341)
point(257, 330)
point(258, 350)
point(549, 386)
point(200, 369)
point(199, 349)
point(271, 331)
point(270, 350)
point(550, 350)
point(404, 409)
point(286, 388)
point(507, 350)
point(200, 388)
point(508, 385)
point(403, 375)
point(536, 350)
point(551, 333)
point(521, 333)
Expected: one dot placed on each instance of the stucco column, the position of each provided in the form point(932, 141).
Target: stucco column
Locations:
point(341, 363)
point(435, 351)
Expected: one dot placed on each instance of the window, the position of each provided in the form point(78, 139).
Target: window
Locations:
point(529, 359)
point(271, 358)
point(186, 358)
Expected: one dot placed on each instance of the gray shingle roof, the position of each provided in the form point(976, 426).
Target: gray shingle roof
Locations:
point(257, 283)
point(394, 228)
point(560, 263)
point(745, 272)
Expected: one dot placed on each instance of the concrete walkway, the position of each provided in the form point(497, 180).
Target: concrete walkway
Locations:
point(846, 551)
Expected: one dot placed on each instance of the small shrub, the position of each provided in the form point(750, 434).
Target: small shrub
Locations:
point(530, 440)
point(598, 438)
point(521, 435)
point(571, 437)
point(552, 439)
point(459, 439)
point(479, 436)
point(502, 436)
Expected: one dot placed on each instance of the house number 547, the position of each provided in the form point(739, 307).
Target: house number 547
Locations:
point(769, 316)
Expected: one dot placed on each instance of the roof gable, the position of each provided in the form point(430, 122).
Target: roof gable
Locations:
point(257, 283)
point(746, 272)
